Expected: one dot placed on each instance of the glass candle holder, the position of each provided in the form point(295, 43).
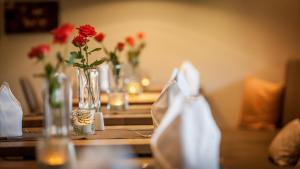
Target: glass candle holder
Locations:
point(133, 80)
point(117, 97)
point(55, 153)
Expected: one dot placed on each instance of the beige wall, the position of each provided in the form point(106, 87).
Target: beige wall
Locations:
point(226, 40)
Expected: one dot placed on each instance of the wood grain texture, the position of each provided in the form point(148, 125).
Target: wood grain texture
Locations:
point(26, 149)
point(144, 98)
point(110, 119)
point(138, 162)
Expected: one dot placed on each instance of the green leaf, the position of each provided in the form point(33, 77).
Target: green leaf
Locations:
point(79, 65)
point(97, 62)
point(94, 50)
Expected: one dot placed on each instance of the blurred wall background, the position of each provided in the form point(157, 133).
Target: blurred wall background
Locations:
point(226, 39)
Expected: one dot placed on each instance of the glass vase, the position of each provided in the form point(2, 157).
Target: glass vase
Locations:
point(57, 106)
point(133, 80)
point(88, 101)
point(55, 149)
point(117, 97)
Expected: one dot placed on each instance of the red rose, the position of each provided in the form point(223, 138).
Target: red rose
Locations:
point(100, 37)
point(120, 46)
point(62, 33)
point(79, 41)
point(140, 35)
point(87, 31)
point(130, 41)
point(39, 51)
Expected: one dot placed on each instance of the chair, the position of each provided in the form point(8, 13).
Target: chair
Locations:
point(30, 96)
point(291, 105)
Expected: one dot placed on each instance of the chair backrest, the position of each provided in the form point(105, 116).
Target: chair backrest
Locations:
point(291, 104)
point(30, 96)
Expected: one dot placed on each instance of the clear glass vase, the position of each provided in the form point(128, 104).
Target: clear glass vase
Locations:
point(117, 97)
point(88, 101)
point(57, 106)
point(55, 149)
point(133, 80)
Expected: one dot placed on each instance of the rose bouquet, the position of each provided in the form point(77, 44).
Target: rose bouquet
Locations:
point(88, 80)
point(117, 97)
point(135, 49)
point(56, 100)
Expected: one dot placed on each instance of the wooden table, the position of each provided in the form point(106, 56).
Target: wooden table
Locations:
point(137, 137)
point(131, 128)
point(136, 115)
point(142, 99)
point(137, 162)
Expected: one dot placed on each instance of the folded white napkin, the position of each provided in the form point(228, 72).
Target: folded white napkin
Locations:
point(188, 79)
point(103, 80)
point(187, 136)
point(10, 113)
point(185, 81)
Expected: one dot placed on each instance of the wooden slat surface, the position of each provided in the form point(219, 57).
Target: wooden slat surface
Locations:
point(137, 137)
point(138, 162)
point(109, 119)
point(27, 148)
point(110, 132)
point(144, 98)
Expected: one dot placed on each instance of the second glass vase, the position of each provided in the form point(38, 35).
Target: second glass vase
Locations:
point(117, 97)
point(88, 101)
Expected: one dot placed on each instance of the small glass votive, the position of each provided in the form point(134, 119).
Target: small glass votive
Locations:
point(134, 88)
point(117, 101)
point(83, 122)
point(55, 153)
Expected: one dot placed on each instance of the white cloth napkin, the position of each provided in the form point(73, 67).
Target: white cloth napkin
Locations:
point(184, 80)
point(104, 81)
point(10, 113)
point(188, 136)
point(188, 79)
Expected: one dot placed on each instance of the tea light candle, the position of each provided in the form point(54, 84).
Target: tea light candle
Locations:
point(54, 159)
point(145, 82)
point(134, 88)
point(116, 100)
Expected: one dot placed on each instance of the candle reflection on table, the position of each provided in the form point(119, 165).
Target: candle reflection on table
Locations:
point(54, 153)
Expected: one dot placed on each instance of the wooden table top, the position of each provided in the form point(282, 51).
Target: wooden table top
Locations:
point(144, 98)
point(135, 117)
point(137, 162)
point(137, 137)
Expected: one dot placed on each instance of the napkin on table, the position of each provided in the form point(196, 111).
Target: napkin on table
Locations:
point(187, 136)
point(184, 80)
point(104, 71)
point(10, 113)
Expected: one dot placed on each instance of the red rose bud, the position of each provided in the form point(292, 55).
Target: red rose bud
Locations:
point(79, 41)
point(38, 51)
point(130, 41)
point(140, 35)
point(62, 33)
point(100, 37)
point(87, 31)
point(120, 46)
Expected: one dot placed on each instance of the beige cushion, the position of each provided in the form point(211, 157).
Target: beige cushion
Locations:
point(285, 147)
point(261, 105)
